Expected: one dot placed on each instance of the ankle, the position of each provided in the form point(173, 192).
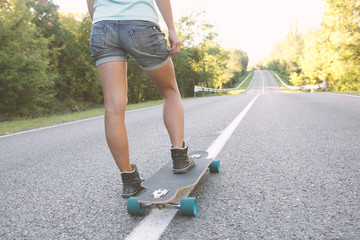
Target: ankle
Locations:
point(180, 145)
point(128, 171)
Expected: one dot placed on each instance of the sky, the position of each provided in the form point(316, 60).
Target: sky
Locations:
point(254, 26)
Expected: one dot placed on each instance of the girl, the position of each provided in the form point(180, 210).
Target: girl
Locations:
point(120, 28)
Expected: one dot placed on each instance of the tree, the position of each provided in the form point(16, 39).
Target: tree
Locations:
point(329, 54)
point(46, 63)
point(317, 59)
point(237, 64)
point(77, 82)
point(286, 56)
point(25, 87)
point(208, 60)
point(342, 23)
point(46, 16)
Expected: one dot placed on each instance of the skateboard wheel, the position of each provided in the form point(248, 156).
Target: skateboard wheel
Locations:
point(188, 206)
point(134, 207)
point(215, 166)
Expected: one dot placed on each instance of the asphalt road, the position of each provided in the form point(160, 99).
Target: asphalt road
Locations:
point(290, 170)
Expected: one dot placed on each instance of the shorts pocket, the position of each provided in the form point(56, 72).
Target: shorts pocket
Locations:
point(149, 39)
point(97, 39)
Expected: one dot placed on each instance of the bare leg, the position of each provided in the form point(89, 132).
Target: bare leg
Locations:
point(173, 112)
point(113, 77)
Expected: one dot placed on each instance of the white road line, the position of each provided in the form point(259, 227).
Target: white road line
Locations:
point(53, 126)
point(153, 225)
point(342, 94)
point(69, 123)
point(263, 86)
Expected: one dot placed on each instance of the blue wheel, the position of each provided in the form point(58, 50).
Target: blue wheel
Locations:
point(134, 207)
point(214, 166)
point(188, 206)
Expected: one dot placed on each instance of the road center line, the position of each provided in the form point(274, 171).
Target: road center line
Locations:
point(263, 82)
point(154, 224)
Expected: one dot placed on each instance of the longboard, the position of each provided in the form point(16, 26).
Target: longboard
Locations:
point(164, 188)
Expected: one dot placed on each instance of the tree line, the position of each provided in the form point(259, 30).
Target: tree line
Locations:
point(46, 65)
point(329, 54)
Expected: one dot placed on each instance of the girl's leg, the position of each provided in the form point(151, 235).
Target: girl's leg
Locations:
point(113, 77)
point(165, 81)
point(173, 112)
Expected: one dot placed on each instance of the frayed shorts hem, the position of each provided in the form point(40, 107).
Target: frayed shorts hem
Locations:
point(125, 59)
point(111, 59)
point(157, 66)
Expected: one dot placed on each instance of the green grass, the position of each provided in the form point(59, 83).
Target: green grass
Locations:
point(247, 83)
point(282, 87)
point(244, 86)
point(8, 127)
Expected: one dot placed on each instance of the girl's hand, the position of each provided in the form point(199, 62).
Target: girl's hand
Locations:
point(175, 43)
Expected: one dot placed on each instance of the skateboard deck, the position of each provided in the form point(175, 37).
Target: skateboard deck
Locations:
point(164, 187)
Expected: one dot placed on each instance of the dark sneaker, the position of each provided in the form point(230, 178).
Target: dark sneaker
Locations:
point(131, 182)
point(181, 162)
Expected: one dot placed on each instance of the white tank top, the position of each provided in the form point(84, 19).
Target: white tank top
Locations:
point(125, 10)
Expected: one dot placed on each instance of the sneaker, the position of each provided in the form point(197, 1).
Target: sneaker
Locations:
point(131, 182)
point(181, 162)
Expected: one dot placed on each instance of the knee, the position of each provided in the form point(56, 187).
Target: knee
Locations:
point(112, 110)
point(170, 91)
point(115, 109)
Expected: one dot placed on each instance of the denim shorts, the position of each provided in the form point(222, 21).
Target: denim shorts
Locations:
point(115, 40)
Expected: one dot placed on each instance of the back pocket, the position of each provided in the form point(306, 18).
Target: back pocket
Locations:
point(148, 39)
point(97, 39)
